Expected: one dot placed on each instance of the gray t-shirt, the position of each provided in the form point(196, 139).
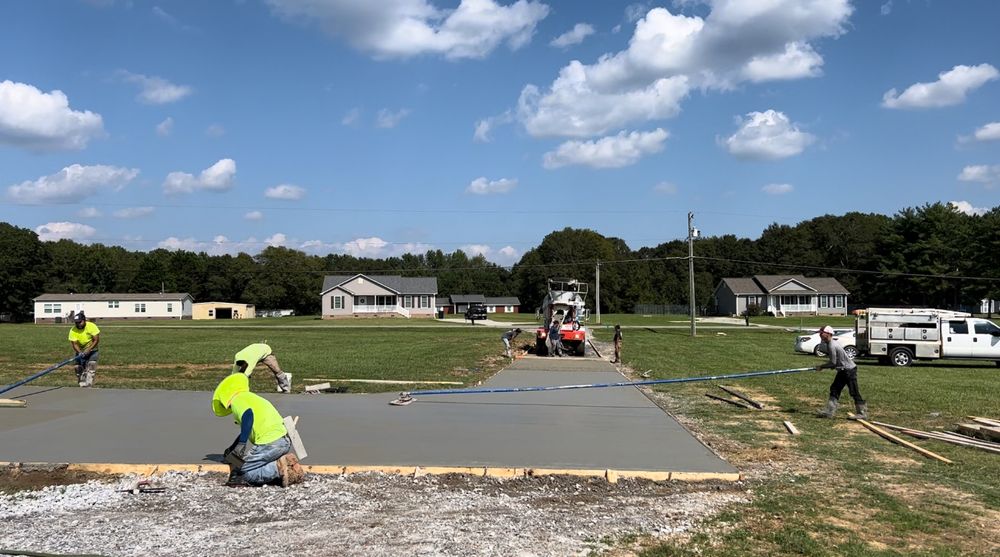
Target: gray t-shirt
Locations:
point(838, 358)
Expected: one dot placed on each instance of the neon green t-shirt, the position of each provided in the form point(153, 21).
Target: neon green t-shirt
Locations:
point(251, 355)
point(84, 337)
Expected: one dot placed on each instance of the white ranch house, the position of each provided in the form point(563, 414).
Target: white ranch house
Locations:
point(59, 308)
point(378, 296)
point(781, 295)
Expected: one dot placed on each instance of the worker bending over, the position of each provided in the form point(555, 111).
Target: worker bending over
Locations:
point(507, 338)
point(247, 359)
point(261, 454)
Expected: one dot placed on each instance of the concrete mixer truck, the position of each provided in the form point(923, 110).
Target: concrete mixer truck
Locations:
point(564, 302)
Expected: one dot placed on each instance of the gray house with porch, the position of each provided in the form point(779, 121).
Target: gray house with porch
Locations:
point(378, 296)
point(781, 295)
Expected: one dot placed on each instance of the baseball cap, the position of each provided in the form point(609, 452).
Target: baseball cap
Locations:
point(827, 329)
point(79, 317)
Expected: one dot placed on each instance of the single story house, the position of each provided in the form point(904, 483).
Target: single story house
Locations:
point(378, 296)
point(223, 310)
point(58, 308)
point(781, 295)
point(458, 303)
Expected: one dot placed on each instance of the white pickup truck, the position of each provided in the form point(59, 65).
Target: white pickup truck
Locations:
point(898, 336)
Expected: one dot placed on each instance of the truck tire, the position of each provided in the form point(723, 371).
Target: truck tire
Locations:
point(900, 356)
point(581, 349)
point(851, 351)
point(540, 347)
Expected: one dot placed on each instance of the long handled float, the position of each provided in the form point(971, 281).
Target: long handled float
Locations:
point(8, 402)
point(408, 397)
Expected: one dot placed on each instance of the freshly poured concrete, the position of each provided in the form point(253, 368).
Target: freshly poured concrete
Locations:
point(586, 429)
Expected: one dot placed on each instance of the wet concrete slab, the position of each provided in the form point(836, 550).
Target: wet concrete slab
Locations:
point(610, 428)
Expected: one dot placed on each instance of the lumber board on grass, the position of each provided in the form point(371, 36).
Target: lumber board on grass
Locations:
point(970, 430)
point(739, 403)
point(990, 433)
point(12, 403)
point(317, 388)
point(984, 421)
point(791, 428)
point(956, 440)
point(886, 435)
point(594, 348)
point(742, 397)
point(970, 439)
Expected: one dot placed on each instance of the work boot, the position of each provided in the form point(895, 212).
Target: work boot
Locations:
point(236, 480)
point(862, 411)
point(88, 375)
point(79, 376)
point(290, 470)
point(830, 410)
point(284, 382)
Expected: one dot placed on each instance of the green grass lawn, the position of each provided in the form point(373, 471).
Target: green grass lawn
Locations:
point(198, 357)
point(837, 489)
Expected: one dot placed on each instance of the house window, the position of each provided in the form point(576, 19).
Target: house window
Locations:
point(425, 301)
point(491, 309)
point(53, 308)
point(211, 313)
point(840, 300)
point(170, 307)
point(508, 309)
point(407, 301)
point(337, 302)
point(112, 304)
point(823, 302)
point(140, 308)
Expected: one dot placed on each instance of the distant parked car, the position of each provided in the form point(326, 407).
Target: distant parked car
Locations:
point(810, 344)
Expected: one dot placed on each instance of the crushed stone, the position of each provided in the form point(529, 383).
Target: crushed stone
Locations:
point(359, 514)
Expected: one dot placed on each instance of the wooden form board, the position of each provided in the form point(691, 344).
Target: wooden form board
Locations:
point(886, 435)
point(293, 435)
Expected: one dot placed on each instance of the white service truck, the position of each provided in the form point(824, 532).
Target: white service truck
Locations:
point(898, 336)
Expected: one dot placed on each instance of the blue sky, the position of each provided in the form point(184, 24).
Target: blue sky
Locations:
point(378, 128)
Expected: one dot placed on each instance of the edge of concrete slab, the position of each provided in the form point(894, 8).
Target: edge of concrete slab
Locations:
point(612, 476)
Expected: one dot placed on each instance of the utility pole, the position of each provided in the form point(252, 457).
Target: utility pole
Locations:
point(692, 234)
point(597, 301)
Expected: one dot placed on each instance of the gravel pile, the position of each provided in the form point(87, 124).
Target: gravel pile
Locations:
point(361, 514)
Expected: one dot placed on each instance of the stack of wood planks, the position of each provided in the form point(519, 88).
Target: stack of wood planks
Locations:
point(981, 434)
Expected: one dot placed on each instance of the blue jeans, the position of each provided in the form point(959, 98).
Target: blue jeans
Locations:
point(259, 467)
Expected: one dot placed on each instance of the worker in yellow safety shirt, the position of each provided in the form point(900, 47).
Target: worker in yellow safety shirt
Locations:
point(84, 337)
point(261, 454)
point(247, 359)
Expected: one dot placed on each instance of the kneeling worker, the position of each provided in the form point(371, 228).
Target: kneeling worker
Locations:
point(247, 359)
point(261, 453)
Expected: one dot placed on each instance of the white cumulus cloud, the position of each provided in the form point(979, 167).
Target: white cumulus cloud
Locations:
point(164, 128)
point(55, 231)
point(485, 127)
point(574, 36)
point(276, 240)
point(669, 54)
point(41, 121)
point(615, 151)
point(254, 215)
point(218, 177)
point(967, 208)
point(476, 249)
point(72, 183)
point(89, 213)
point(405, 28)
point(989, 132)
point(950, 89)
point(483, 186)
point(665, 188)
point(285, 191)
point(777, 189)
point(133, 212)
point(389, 119)
point(767, 135)
point(982, 173)
point(156, 90)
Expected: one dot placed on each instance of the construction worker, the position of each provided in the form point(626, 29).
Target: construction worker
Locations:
point(555, 339)
point(84, 337)
point(261, 453)
point(507, 338)
point(847, 375)
point(247, 359)
point(618, 345)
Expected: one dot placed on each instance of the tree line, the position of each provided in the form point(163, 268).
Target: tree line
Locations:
point(930, 256)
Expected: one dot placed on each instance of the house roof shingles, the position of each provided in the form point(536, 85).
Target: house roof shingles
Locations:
point(402, 285)
point(764, 284)
point(503, 301)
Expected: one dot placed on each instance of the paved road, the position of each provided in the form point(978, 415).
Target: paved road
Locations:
point(611, 428)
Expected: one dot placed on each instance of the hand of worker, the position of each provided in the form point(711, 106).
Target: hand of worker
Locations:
point(240, 450)
point(819, 368)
